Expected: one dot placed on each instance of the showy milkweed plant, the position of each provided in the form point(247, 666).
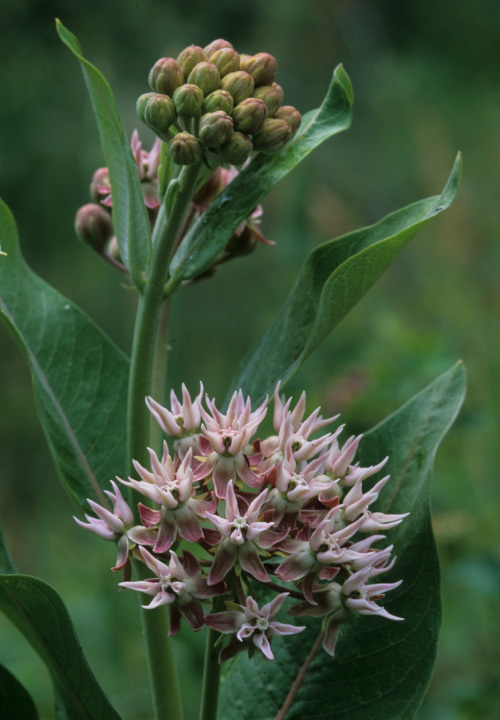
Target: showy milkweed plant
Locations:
point(255, 520)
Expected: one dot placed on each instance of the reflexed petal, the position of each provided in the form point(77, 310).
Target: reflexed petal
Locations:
point(249, 560)
point(167, 532)
point(331, 636)
point(225, 622)
point(224, 561)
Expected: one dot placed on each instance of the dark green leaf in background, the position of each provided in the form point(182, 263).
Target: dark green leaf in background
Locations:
point(15, 701)
point(333, 279)
point(381, 668)
point(39, 613)
point(129, 212)
point(208, 237)
point(80, 378)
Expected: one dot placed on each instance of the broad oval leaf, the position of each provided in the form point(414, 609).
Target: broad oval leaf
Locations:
point(15, 700)
point(130, 218)
point(80, 378)
point(381, 668)
point(333, 279)
point(39, 613)
point(208, 237)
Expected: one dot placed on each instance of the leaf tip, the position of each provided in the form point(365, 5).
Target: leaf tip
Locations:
point(343, 78)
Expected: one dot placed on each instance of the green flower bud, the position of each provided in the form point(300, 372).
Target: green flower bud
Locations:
point(185, 149)
point(262, 67)
point(188, 100)
point(249, 115)
point(219, 100)
point(226, 59)
point(206, 76)
point(272, 95)
point(217, 45)
point(165, 76)
point(215, 129)
point(190, 57)
point(158, 112)
point(240, 84)
point(93, 226)
point(273, 136)
point(237, 150)
point(291, 115)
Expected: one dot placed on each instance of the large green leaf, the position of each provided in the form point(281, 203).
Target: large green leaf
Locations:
point(129, 212)
point(333, 279)
point(80, 378)
point(15, 701)
point(211, 233)
point(39, 613)
point(381, 668)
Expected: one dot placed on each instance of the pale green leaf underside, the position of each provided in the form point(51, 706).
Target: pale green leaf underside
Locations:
point(208, 237)
point(80, 378)
point(15, 701)
point(382, 667)
point(332, 280)
point(130, 218)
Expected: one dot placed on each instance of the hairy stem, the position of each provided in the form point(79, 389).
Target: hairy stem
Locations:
point(163, 674)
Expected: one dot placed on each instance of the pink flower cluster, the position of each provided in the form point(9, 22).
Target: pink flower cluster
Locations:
point(290, 513)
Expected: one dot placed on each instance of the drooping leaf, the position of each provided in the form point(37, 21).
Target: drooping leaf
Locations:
point(6, 561)
point(41, 616)
point(208, 237)
point(333, 279)
point(381, 668)
point(80, 378)
point(130, 218)
point(15, 700)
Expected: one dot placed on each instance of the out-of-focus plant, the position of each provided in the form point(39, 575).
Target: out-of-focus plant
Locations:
point(217, 524)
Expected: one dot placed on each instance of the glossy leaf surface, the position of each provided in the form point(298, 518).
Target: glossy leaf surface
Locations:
point(381, 668)
point(208, 237)
point(333, 279)
point(80, 378)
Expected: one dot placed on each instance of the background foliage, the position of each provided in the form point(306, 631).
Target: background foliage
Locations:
point(424, 77)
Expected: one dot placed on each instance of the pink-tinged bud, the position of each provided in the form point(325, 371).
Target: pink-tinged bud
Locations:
point(185, 149)
point(290, 115)
point(158, 112)
point(190, 57)
point(262, 67)
point(188, 100)
point(240, 84)
point(165, 76)
point(226, 59)
point(273, 136)
point(237, 150)
point(100, 187)
point(272, 95)
point(249, 115)
point(206, 76)
point(215, 129)
point(113, 250)
point(219, 100)
point(217, 45)
point(93, 226)
point(209, 190)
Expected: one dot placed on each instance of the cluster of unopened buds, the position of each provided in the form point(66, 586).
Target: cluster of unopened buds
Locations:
point(210, 104)
point(288, 514)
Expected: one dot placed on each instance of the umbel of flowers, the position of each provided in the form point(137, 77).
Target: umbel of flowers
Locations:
point(216, 102)
point(290, 513)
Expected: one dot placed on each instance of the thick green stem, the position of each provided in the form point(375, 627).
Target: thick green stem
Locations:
point(161, 662)
point(163, 674)
point(211, 678)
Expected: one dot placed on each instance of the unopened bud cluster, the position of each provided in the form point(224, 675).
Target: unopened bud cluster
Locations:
point(289, 513)
point(216, 100)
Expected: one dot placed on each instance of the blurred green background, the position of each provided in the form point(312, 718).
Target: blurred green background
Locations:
point(425, 79)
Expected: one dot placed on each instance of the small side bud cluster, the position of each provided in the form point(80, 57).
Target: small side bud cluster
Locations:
point(93, 222)
point(228, 103)
point(290, 513)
